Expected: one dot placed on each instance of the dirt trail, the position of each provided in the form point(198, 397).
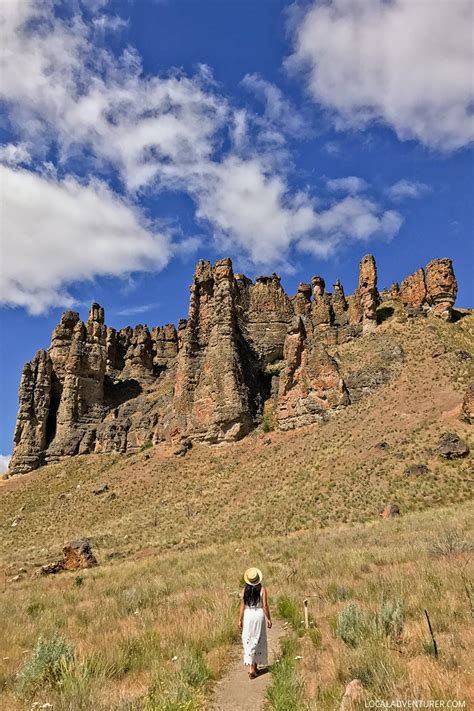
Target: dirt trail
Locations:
point(236, 692)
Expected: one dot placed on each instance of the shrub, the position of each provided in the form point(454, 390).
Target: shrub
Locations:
point(351, 624)
point(390, 618)
point(46, 666)
point(195, 670)
point(147, 445)
point(450, 543)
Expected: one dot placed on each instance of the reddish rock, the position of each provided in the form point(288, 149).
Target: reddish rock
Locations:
point(390, 511)
point(78, 555)
point(366, 296)
point(441, 287)
point(413, 291)
point(310, 383)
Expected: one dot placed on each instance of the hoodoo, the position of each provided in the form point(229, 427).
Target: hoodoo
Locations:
point(243, 347)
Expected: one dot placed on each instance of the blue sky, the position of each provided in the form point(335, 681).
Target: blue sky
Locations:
point(137, 137)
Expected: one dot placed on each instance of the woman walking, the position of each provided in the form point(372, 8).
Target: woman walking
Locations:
point(253, 612)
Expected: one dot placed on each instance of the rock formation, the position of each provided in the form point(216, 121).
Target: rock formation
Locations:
point(441, 287)
point(412, 292)
point(433, 290)
point(212, 400)
point(366, 296)
point(246, 348)
point(310, 383)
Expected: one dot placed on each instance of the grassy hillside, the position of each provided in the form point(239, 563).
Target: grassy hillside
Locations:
point(173, 540)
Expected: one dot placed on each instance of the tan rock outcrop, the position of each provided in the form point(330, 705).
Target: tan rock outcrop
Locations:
point(212, 400)
point(302, 300)
point(412, 292)
point(246, 349)
point(310, 384)
point(441, 287)
point(31, 432)
point(366, 297)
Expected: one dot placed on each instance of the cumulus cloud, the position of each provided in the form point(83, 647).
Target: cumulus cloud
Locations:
point(4, 462)
point(15, 154)
point(64, 231)
point(407, 64)
point(352, 184)
point(353, 218)
point(173, 132)
point(407, 189)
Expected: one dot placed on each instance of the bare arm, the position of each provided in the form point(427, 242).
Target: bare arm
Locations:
point(241, 613)
point(266, 609)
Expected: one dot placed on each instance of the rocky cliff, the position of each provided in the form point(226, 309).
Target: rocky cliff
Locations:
point(245, 347)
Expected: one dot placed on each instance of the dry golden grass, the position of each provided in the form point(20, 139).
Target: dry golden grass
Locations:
point(174, 541)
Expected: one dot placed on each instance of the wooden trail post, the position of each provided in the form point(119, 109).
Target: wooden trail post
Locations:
point(306, 615)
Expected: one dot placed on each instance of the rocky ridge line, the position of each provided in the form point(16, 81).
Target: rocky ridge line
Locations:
point(243, 347)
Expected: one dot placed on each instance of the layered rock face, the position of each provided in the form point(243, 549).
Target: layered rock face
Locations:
point(431, 290)
point(244, 347)
point(310, 383)
point(212, 399)
point(366, 297)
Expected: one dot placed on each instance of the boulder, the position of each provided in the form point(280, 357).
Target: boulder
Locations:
point(390, 511)
point(417, 470)
point(353, 695)
point(78, 554)
point(451, 446)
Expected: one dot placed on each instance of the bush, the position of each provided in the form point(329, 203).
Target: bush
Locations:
point(351, 624)
point(450, 543)
point(390, 618)
point(195, 670)
point(46, 666)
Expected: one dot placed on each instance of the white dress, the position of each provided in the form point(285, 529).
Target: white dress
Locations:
point(254, 635)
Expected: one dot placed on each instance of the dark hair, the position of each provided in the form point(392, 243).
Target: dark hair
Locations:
point(252, 595)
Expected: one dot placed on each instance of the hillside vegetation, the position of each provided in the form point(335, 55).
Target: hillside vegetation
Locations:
point(153, 625)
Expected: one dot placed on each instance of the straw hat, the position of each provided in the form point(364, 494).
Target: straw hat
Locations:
point(253, 576)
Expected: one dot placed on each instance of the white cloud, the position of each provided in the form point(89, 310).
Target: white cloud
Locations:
point(15, 154)
point(171, 132)
point(407, 189)
point(141, 309)
point(4, 462)
point(278, 110)
point(408, 64)
point(351, 219)
point(351, 184)
point(59, 232)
